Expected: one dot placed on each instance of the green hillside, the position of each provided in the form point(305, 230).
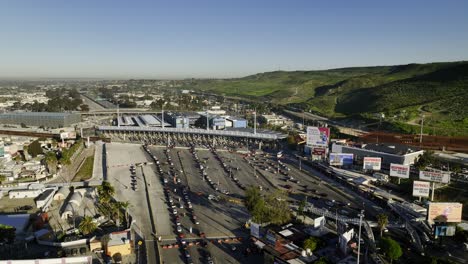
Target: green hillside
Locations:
point(402, 92)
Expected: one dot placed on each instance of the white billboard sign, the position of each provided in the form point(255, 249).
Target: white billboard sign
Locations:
point(421, 188)
point(318, 136)
point(372, 163)
point(400, 171)
point(434, 176)
point(319, 222)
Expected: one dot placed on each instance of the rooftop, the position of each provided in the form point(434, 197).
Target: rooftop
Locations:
point(119, 238)
point(396, 149)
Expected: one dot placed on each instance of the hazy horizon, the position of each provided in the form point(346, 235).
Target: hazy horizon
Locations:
point(212, 39)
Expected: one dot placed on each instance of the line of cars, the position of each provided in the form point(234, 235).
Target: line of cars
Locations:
point(133, 180)
point(230, 170)
point(202, 166)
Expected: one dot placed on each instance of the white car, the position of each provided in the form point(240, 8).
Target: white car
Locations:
point(179, 229)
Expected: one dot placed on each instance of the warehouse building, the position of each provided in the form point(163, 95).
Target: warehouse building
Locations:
point(45, 119)
point(236, 122)
point(177, 120)
point(390, 153)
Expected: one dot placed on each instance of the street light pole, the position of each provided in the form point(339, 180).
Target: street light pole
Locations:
point(361, 215)
point(422, 125)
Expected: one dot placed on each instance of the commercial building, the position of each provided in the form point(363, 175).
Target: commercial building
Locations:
point(236, 122)
point(177, 120)
point(119, 243)
point(276, 120)
point(390, 153)
point(45, 119)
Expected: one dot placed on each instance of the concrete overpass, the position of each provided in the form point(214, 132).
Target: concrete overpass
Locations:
point(260, 134)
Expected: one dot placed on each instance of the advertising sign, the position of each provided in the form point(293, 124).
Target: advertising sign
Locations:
point(421, 188)
point(255, 230)
point(319, 222)
point(68, 135)
point(371, 163)
point(444, 212)
point(434, 176)
point(318, 136)
point(444, 231)
point(400, 171)
point(339, 159)
point(318, 151)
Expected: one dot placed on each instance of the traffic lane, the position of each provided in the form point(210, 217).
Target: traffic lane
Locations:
point(361, 202)
point(158, 203)
point(173, 255)
point(233, 252)
point(246, 172)
point(217, 173)
point(220, 219)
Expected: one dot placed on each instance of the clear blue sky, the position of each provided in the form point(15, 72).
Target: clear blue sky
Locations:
point(222, 38)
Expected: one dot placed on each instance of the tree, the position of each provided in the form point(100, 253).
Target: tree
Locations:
point(105, 192)
point(255, 204)
point(301, 208)
point(87, 225)
point(252, 196)
point(2, 178)
point(311, 243)
point(426, 159)
point(7, 233)
point(35, 148)
point(322, 260)
point(125, 206)
point(51, 162)
point(278, 211)
point(382, 221)
point(84, 108)
point(391, 248)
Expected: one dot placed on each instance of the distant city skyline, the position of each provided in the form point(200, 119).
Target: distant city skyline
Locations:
point(222, 39)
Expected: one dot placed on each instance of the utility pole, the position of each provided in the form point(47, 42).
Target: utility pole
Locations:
point(361, 215)
point(303, 114)
point(422, 125)
point(255, 121)
point(118, 116)
point(207, 120)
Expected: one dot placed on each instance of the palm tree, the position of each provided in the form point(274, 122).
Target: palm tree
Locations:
point(87, 225)
point(125, 206)
point(105, 192)
point(382, 221)
point(104, 242)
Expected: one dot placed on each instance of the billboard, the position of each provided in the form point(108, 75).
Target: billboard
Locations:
point(318, 151)
point(400, 171)
point(319, 222)
point(68, 135)
point(371, 163)
point(255, 229)
point(339, 159)
point(444, 231)
point(421, 188)
point(318, 136)
point(434, 176)
point(444, 212)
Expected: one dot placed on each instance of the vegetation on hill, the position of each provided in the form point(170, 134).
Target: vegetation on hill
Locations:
point(403, 93)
